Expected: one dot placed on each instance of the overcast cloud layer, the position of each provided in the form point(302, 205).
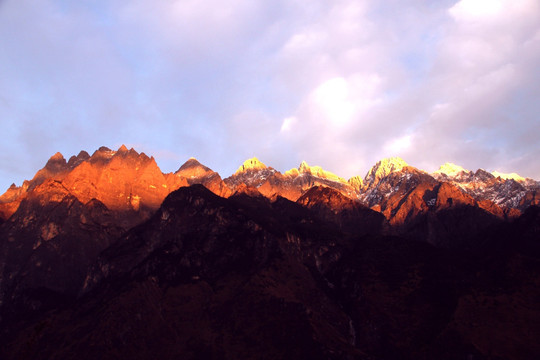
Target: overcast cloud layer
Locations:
point(339, 84)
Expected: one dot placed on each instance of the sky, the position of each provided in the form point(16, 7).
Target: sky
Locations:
point(340, 84)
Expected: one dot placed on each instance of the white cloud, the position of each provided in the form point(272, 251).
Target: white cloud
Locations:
point(493, 10)
point(331, 98)
point(287, 124)
point(397, 146)
point(478, 9)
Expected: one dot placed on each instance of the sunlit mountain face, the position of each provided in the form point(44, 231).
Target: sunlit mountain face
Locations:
point(105, 256)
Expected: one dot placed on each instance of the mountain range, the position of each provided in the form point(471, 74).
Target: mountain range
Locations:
point(104, 255)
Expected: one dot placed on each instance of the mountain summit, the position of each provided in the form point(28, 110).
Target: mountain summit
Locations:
point(316, 171)
point(450, 169)
point(251, 164)
point(383, 168)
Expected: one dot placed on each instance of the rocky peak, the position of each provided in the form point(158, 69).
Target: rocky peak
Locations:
point(356, 182)
point(56, 168)
point(57, 157)
point(483, 175)
point(76, 160)
point(292, 172)
point(252, 173)
point(505, 176)
point(251, 164)
point(131, 155)
point(194, 172)
point(192, 169)
point(317, 171)
point(103, 153)
point(383, 168)
point(56, 162)
point(122, 149)
point(304, 167)
point(450, 169)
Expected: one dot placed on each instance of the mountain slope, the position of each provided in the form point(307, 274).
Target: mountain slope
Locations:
point(200, 260)
point(505, 190)
point(243, 277)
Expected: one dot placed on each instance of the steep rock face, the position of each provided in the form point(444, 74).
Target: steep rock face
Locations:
point(244, 277)
point(60, 224)
point(357, 183)
point(425, 197)
point(254, 173)
point(305, 177)
point(11, 199)
point(397, 190)
point(531, 198)
point(350, 215)
point(193, 172)
point(382, 169)
point(56, 168)
point(440, 214)
point(123, 180)
point(224, 279)
point(46, 247)
point(250, 191)
point(290, 185)
point(388, 182)
point(505, 190)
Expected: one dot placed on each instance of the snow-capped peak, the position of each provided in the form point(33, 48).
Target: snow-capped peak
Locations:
point(251, 164)
point(505, 176)
point(450, 169)
point(317, 171)
point(383, 168)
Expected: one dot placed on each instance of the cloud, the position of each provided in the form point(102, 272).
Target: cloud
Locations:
point(339, 84)
point(287, 124)
point(450, 100)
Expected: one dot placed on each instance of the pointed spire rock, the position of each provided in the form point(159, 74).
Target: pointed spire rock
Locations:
point(190, 164)
point(57, 156)
point(83, 155)
point(193, 169)
point(76, 160)
point(56, 162)
point(304, 167)
point(251, 164)
point(103, 153)
point(122, 148)
point(356, 182)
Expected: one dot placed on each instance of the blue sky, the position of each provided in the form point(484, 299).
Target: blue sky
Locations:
point(339, 84)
